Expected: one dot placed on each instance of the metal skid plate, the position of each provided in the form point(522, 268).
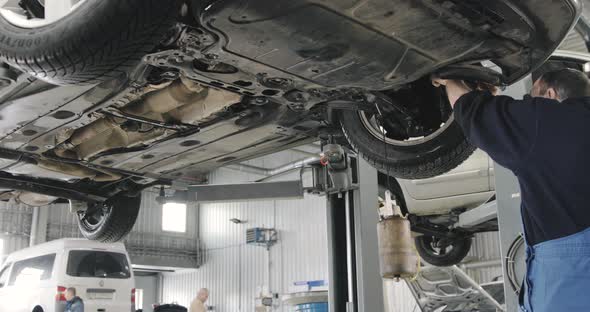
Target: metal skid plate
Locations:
point(304, 52)
point(449, 289)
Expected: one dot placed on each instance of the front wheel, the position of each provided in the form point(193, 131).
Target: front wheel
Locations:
point(109, 221)
point(415, 138)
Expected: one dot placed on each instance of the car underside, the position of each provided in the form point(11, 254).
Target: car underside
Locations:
point(197, 85)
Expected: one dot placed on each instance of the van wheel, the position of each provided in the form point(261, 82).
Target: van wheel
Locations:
point(38, 309)
point(109, 221)
point(82, 41)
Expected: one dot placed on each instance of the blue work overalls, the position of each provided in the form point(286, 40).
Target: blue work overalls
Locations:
point(558, 275)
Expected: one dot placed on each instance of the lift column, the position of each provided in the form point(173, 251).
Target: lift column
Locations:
point(355, 280)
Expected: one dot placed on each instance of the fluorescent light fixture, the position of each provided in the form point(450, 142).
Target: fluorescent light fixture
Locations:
point(174, 217)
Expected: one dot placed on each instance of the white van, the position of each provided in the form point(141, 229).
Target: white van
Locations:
point(35, 279)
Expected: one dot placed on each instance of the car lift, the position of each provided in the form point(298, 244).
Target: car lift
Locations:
point(350, 186)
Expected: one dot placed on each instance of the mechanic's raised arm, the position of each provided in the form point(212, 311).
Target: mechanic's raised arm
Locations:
point(503, 127)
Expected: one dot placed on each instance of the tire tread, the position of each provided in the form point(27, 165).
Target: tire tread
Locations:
point(429, 166)
point(118, 223)
point(73, 62)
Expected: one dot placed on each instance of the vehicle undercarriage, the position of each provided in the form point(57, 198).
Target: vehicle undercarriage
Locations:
point(184, 87)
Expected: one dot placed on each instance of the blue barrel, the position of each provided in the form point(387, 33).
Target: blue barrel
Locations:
point(312, 307)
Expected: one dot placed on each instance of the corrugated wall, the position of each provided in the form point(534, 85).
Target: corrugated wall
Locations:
point(15, 227)
point(573, 42)
point(235, 272)
point(485, 248)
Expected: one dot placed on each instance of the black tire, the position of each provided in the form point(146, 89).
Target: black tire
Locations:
point(110, 221)
point(459, 249)
point(436, 152)
point(99, 41)
point(170, 308)
point(432, 158)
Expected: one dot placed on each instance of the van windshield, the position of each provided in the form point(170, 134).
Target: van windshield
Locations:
point(102, 264)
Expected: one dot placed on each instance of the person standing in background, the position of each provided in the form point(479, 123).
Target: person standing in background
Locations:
point(73, 302)
point(198, 304)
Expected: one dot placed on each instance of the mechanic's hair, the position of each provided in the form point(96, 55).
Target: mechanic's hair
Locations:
point(567, 83)
point(72, 290)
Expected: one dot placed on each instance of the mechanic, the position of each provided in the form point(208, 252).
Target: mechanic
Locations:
point(542, 140)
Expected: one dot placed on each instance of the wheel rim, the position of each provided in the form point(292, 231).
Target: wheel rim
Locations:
point(95, 216)
point(433, 247)
point(52, 11)
point(372, 125)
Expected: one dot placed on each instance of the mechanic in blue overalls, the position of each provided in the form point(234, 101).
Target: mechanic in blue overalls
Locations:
point(544, 140)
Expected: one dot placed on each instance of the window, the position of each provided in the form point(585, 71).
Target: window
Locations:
point(174, 217)
point(30, 271)
point(90, 263)
point(4, 275)
point(139, 299)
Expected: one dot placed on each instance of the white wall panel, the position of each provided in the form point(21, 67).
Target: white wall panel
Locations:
point(303, 235)
point(220, 274)
point(12, 243)
point(235, 272)
point(150, 217)
point(486, 247)
point(149, 285)
point(398, 297)
point(15, 227)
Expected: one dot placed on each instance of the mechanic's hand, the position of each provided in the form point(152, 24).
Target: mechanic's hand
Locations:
point(455, 88)
point(438, 82)
point(481, 86)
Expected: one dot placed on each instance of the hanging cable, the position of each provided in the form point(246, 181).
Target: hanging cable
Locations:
point(382, 125)
point(389, 189)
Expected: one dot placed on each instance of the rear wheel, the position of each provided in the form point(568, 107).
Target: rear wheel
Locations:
point(82, 41)
point(415, 137)
point(434, 250)
point(443, 251)
point(109, 221)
